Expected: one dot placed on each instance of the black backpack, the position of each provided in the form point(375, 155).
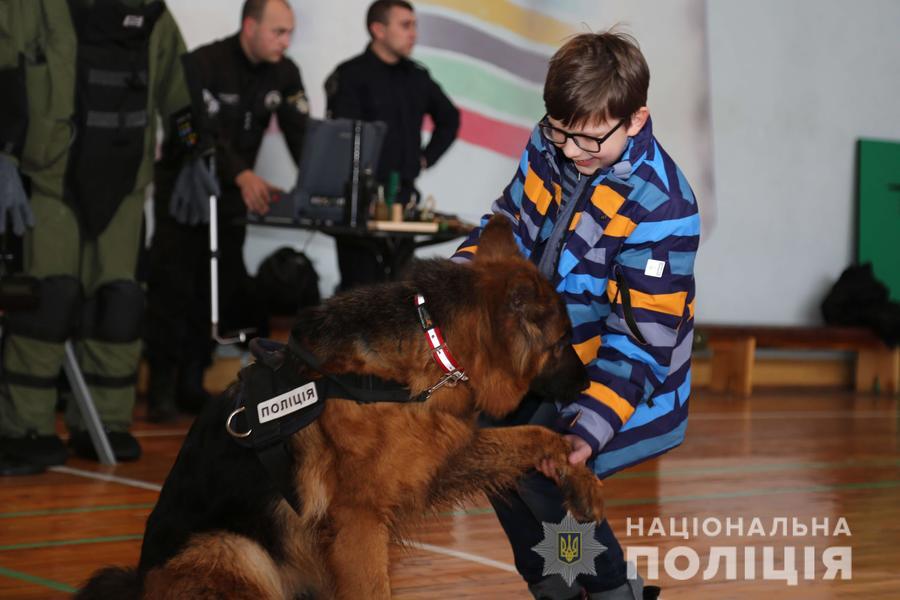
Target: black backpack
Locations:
point(858, 299)
point(286, 282)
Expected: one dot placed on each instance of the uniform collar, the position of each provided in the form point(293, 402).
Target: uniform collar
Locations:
point(403, 63)
point(235, 43)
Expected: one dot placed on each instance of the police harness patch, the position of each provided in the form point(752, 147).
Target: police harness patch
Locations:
point(275, 400)
point(287, 403)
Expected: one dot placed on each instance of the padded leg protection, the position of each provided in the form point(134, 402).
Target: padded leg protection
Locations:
point(110, 350)
point(114, 313)
point(53, 320)
point(33, 355)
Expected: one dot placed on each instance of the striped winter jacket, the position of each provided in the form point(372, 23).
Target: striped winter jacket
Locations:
point(626, 274)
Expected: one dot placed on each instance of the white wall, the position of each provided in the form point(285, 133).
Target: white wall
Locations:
point(794, 84)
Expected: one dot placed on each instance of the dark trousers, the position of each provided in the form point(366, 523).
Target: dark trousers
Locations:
point(537, 499)
point(364, 259)
point(178, 296)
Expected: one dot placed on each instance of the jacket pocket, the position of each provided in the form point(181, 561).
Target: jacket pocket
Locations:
point(624, 292)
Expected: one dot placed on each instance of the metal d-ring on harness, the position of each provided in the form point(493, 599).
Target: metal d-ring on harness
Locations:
point(236, 434)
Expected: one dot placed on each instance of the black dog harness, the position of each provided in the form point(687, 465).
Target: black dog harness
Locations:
point(275, 401)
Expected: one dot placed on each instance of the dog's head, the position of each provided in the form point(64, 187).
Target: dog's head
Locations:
point(523, 330)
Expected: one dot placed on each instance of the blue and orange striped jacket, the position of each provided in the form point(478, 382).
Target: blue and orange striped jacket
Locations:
point(627, 262)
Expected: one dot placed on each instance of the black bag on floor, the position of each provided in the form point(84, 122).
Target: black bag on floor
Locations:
point(287, 282)
point(858, 299)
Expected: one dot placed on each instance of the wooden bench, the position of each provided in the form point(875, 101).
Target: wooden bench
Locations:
point(734, 347)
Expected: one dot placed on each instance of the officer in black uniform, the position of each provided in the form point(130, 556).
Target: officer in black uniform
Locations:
point(383, 84)
point(238, 83)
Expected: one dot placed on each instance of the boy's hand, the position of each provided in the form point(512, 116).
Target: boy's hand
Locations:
point(581, 451)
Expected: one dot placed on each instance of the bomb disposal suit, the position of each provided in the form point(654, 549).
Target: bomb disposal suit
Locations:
point(85, 82)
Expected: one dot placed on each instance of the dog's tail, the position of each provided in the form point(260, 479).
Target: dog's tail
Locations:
point(112, 582)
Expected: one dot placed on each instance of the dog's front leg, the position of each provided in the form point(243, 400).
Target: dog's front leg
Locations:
point(497, 458)
point(358, 556)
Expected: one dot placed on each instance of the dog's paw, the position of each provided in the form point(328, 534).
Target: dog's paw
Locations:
point(583, 494)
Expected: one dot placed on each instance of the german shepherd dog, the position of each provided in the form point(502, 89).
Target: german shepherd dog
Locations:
point(363, 472)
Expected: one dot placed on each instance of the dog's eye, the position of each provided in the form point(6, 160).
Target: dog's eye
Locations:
point(559, 344)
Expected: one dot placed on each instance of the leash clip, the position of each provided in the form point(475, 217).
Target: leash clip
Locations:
point(450, 379)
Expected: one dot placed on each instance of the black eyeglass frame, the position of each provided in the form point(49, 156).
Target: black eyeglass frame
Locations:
point(544, 125)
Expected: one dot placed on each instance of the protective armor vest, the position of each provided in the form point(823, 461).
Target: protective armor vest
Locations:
point(111, 98)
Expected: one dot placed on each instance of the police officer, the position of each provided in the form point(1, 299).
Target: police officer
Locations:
point(383, 84)
point(239, 83)
point(87, 79)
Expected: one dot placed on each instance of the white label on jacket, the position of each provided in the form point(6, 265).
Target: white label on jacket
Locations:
point(133, 21)
point(654, 268)
point(287, 403)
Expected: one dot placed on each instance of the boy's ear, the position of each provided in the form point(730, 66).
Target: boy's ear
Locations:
point(497, 240)
point(638, 120)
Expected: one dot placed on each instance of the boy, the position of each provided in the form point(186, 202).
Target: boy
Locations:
point(609, 218)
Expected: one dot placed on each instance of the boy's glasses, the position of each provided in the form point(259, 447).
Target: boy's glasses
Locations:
point(587, 143)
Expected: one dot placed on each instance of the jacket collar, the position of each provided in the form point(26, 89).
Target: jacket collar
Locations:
point(235, 43)
point(638, 149)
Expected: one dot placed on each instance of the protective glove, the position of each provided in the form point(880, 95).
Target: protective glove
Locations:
point(193, 187)
point(14, 205)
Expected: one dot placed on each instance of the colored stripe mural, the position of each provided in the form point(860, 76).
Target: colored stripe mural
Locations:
point(491, 58)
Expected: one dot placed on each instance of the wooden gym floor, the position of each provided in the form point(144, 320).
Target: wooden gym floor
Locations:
point(804, 454)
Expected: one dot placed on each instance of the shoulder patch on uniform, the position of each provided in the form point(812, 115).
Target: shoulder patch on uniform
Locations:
point(299, 102)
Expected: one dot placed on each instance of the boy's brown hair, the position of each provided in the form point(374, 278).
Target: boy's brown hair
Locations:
point(596, 77)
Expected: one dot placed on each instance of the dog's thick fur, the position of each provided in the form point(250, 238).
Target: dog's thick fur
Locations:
point(221, 529)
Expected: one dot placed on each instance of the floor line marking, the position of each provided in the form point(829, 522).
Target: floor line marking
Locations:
point(79, 542)
point(462, 555)
point(144, 485)
point(27, 577)
point(75, 510)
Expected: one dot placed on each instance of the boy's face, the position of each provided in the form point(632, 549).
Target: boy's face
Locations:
point(611, 149)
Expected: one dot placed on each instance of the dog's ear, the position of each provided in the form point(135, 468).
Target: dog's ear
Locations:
point(522, 298)
point(497, 240)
